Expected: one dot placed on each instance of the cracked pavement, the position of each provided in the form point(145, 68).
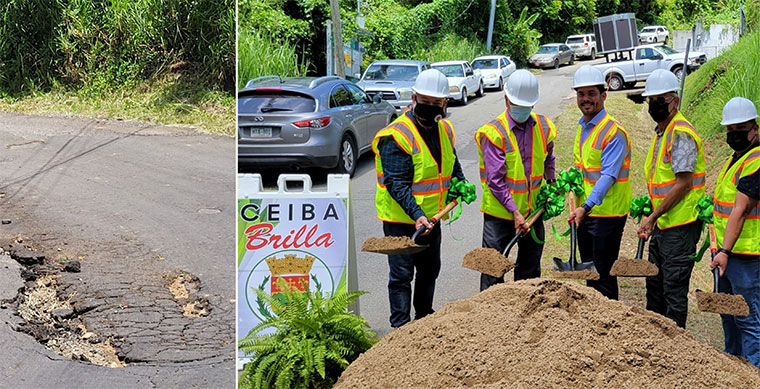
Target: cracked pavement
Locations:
point(137, 205)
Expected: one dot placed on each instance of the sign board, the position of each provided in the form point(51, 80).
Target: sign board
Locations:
point(352, 56)
point(293, 240)
point(614, 33)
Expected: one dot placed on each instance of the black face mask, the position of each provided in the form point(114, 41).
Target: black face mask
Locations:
point(659, 110)
point(428, 115)
point(738, 140)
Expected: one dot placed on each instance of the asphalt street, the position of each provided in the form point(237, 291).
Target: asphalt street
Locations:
point(463, 235)
point(138, 205)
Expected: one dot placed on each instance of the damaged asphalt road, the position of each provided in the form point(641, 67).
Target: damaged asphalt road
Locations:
point(148, 213)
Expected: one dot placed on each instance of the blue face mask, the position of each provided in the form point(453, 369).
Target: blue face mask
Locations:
point(519, 114)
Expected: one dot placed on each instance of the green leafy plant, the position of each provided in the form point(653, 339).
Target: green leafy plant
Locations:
point(315, 339)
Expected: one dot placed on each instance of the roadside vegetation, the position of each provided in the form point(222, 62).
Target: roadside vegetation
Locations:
point(168, 62)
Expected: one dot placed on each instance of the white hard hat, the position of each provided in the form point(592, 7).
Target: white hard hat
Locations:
point(738, 110)
point(432, 83)
point(522, 88)
point(659, 82)
point(588, 75)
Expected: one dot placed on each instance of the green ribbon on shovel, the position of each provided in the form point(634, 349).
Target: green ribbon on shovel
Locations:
point(552, 198)
point(462, 191)
point(571, 179)
point(641, 206)
point(704, 214)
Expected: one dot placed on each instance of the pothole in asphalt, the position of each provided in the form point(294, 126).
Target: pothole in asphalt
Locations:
point(52, 321)
point(185, 288)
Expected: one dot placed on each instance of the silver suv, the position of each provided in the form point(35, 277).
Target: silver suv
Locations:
point(392, 80)
point(324, 122)
point(583, 45)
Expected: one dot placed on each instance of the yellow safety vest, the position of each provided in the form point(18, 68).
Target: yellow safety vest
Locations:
point(725, 197)
point(588, 158)
point(523, 192)
point(661, 179)
point(430, 183)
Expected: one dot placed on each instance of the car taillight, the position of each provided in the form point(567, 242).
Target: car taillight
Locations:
point(313, 123)
point(585, 44)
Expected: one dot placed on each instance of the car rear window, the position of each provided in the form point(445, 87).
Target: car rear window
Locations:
point(570, 41)
point(275, 101)
point(485, 64)
point(450, 70)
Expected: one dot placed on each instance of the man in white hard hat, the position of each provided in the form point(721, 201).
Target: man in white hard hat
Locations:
point(736, 217)
point(516, 159)
point(415, 161)
point(675, 177)
point(602, 151)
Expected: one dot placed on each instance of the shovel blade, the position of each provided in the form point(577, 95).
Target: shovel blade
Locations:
point(399, 251)
point(487, 261)
point(392, 245)
point(627, 267)
point(581, 271)
point(727, 304)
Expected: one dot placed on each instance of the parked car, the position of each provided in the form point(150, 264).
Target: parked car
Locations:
point(324, 122)
point(626, 73)
point(463, 81)
point(552, 54)
point(392, 80)
point(583, 45)
point(495, 70)
point(654, 34)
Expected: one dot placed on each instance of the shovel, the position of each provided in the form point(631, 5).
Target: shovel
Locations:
point(489, 261)
point(637, 267)
point(727, 304)
point(571, 269)
point(401, 245)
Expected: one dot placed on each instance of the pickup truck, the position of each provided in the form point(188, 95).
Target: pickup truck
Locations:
point(625, 73)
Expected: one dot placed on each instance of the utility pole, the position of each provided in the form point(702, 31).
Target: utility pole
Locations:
point(337, 40)
point(490, 25)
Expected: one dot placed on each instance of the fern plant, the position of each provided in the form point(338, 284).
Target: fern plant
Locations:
point(315, 339)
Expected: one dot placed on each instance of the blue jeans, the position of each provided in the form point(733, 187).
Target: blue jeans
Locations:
point(742, 334)
point(427, 264)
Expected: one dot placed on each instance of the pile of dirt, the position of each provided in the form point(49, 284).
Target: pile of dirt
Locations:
point(488, 261)
point(728, 304)
point(577, 275)
point(544, 334)
point(387, 243)
point(627, 267)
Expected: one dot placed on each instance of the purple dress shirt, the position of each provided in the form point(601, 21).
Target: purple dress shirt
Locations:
point(496, 168)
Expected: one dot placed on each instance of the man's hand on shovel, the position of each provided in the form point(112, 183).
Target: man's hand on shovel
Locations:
point(646, 227)
point(578, 215)
point(720, 260)
point(423, 221)
point(520, 224)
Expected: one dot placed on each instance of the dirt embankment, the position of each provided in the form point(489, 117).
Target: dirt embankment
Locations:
point(545, 334)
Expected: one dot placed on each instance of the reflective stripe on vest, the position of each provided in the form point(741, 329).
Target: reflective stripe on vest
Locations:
point(724, 210)
point(661, 190)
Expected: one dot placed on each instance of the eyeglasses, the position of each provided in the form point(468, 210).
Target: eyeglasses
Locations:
point(661, 100)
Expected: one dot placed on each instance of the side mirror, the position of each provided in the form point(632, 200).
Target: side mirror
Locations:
point(656, 57)
point(357, 76)
point(376, 99)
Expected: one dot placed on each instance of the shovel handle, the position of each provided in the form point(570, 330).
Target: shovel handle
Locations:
point(571, 199)
point(713, 241)
point(640, 249)
point(436, 218)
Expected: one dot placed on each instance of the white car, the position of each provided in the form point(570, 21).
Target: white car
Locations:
point(495, 70)
point(583, 45)
point(463, 81)
point(654, 34)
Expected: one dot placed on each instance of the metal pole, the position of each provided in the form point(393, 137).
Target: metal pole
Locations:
point(490, 25)
point(337, 40)
point(684, 72)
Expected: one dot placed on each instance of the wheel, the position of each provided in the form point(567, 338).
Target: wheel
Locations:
point(480, 90)
point(464, 96)
point(678, 71)
point(616, 82)
point(593, 53)
point(501, 84)
point(347, 156)
point(572, 59)
point(556, 63)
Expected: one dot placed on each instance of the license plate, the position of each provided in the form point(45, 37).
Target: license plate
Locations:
point(261, 132)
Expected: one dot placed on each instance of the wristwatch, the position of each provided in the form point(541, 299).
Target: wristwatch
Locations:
point(587, 208)
point(722, 250)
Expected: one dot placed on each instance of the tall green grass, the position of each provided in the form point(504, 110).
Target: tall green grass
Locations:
point(102, 44)
point(451, 47)
point(736, 72)
point(261, 55)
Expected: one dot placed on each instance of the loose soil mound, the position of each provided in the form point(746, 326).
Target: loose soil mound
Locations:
point(544, 334)
point(627, 267)
point(388, 244)
point(728, 304)
point(577, 275)
point(487, 260)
